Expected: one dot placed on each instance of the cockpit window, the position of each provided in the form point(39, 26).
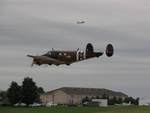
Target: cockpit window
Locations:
point(49, 53)
point(60, 54)
point(65, 54)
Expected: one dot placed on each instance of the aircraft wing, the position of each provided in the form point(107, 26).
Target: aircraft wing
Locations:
point(54, 61)
point(45, 60)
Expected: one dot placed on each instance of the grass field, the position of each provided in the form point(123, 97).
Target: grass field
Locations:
point(130, 109)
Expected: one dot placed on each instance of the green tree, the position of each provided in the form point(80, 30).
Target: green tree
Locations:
point(86, 99)
point(105, 96)
point(131, 100)
point(40, 90)
point(112, 101)
point(29, 91)
point(119, 101)
point(3, 95)
point(137, 101)
point(14, 93)
point(126, 100)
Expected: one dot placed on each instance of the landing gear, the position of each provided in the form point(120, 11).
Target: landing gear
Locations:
point(38, 63)
point(67, 64)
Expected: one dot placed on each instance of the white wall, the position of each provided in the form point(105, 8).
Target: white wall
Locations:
point(102, 102)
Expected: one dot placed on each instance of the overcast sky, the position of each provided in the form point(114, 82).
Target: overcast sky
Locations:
point(36, 26)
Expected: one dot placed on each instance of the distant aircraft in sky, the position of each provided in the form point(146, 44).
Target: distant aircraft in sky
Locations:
point(68, 57)
point(80, 22)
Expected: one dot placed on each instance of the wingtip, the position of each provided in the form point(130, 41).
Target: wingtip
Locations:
point(30, 56)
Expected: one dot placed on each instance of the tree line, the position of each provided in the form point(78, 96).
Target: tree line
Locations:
point(114, 100)
point(27, 93)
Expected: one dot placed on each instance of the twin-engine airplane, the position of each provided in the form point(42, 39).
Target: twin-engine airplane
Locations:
point(80, 22)
point(68, 57)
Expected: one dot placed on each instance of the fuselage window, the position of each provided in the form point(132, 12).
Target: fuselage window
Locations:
point(65, 54)
point(60, 54)
point(49, 53)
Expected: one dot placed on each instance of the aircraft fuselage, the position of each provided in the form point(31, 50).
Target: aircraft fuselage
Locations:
point(71, 56)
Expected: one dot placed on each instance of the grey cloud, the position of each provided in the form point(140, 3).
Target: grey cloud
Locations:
point(35, 26)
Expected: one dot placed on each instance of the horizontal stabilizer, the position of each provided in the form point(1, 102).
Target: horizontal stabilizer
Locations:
point(30, 56)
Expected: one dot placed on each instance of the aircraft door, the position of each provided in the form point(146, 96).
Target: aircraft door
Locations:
point(77, 55)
